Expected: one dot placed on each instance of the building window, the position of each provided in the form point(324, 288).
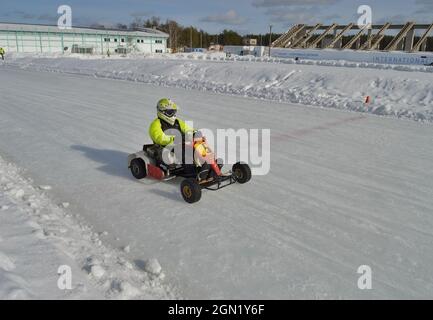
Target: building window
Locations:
point(122, 40)
point(115, 39)
point(158, 51)
point(158, 41)
point(138, 40)
point(142, 41)
point(107, 39)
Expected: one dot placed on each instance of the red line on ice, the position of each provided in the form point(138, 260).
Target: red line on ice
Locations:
point(303, 132)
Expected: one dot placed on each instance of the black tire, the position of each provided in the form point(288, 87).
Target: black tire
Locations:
point(138, 168)
point(191, 190)
point(241, 172)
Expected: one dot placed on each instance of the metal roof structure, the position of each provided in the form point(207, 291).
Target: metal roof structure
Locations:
point(141, 32)
point(299, 36)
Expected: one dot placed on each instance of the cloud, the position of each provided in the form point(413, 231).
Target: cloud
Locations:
point(422, 14)
point(307, 15)
point(287, 3)
point(49, 19)
point(427, 3)
point(289, 12)
point(31, 16)
point(141, 14)
point(291, 16)
point(425, 7)
point(231, 17)
point(399, 18)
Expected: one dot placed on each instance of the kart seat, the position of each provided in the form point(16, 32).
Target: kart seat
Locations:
point(147, 147)
point(154, 151)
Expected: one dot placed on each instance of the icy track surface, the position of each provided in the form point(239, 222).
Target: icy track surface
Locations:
point(398, 91)
point(345, 189)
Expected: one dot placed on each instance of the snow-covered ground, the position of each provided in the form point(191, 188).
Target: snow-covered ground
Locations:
point(345, 189)
point(393, 90)
point(37, 237)
point(28, 261)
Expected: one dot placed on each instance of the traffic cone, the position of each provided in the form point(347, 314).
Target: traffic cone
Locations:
point(367, 100)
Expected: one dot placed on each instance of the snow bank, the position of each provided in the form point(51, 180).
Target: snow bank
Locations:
point(394, 90)
point(37, 237)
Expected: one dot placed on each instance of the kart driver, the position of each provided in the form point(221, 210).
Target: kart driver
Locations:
point(165, 122)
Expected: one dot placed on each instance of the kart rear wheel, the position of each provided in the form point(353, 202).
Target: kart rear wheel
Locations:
point(241, 172)
point(191, 190)
point(138, 168)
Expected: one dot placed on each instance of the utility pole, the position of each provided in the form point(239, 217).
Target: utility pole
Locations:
point(201, 39)
point(270, 39)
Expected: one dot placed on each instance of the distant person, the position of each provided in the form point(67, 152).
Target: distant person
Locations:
point(108, 53)
point(2, 53)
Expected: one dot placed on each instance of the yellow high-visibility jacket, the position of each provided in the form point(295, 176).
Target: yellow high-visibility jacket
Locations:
point(2, 51)
point(156, 131)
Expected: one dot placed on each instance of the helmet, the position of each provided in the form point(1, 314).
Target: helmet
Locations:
point(167, 110)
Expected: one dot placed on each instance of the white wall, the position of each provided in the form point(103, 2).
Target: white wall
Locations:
point(395, 57)
point(254, 50)
point(54, 42)
point(150, 45)
point(356, 56)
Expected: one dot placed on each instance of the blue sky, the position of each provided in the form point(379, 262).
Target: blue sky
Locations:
point(243, 16)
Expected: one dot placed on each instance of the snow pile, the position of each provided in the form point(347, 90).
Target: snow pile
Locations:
point(220, 56)
point(37, 237)
point(152, 266)
point(392, 89)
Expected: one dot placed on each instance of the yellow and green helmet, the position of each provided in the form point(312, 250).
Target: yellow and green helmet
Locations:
point(166, 110)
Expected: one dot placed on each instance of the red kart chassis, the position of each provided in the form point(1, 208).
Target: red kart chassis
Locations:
point(205, 173)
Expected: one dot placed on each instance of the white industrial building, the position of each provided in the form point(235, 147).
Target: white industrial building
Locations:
point(41, 38)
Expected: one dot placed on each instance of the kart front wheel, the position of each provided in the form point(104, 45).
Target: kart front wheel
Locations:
point(138, 169)
point(241, 172)
point(191, 190)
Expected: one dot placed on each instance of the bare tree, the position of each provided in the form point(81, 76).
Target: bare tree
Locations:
point(136, 24)
point(173, 31)
point(121, 26)
point(153, 22)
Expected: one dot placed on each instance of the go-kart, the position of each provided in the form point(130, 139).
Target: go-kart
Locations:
point(204, 173)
